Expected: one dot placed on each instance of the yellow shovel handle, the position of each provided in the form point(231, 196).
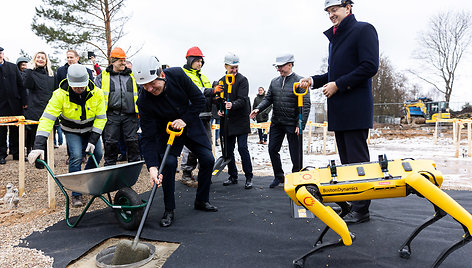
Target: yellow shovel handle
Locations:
point(300, 95)
point(172, 134)
point(230, 84)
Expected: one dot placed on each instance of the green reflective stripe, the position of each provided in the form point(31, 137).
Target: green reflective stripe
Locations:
point(101, 116)
point(97, 130)
point(76, 130)
point(49, 116)
point(42, 133)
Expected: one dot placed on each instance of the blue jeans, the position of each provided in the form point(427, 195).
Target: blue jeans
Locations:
point(59, 135)
point(243, 152)
point(77, 144)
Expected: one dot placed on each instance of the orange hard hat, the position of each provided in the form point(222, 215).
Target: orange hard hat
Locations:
point(194, 51)
point(117, 52)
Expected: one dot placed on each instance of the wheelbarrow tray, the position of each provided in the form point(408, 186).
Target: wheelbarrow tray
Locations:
point(98, 181)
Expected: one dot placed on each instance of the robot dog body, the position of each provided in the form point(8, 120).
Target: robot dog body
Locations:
point(373, 180)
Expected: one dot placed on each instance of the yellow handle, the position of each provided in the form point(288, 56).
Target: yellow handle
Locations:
point(222, 93)
point(230, 84)
point(172, 134)
point(300, 95)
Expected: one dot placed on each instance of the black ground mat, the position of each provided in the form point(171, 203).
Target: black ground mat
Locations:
point(253, 228)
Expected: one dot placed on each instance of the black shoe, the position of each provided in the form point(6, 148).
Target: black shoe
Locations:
point(187, 175)
point(274, 183)
point(205, 206)
point(356, 217)
point(167, 218)
point(248, 184)
point(2, 161)
point(231, 180)
point(121, 157)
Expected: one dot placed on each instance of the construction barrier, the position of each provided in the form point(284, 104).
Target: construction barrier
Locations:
point(265, 126)
point(20, 122)
point(323, 125)
point(457, 125)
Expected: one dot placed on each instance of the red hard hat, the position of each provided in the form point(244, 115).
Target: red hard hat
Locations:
point(194, 51)
point(117, 52)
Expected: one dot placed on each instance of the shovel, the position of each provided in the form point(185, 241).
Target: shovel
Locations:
point(127, 252)
point(223, 160)
point(300, 122)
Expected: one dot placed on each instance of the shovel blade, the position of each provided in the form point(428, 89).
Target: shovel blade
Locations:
point(220, 164)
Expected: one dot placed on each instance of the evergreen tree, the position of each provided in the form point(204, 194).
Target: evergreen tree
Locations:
point(81, 24)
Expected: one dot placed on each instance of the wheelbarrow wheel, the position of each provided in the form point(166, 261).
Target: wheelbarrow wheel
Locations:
point(128, 219)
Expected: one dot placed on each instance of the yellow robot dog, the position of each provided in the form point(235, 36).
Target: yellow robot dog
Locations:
point(373, 180)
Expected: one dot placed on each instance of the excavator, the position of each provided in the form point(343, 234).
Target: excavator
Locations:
point(424, 110)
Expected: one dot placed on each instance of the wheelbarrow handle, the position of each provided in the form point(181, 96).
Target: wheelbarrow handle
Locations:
point(230, 84)
point(172, 134)
point(300, 95)
point(93, 158)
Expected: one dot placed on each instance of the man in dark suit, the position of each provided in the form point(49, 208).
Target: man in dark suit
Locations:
point(12, 102)
point(353, 61)
point(170, 96)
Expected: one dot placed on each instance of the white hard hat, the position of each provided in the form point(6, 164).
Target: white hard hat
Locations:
point(284, 59)
point(330, 3)
point(77, 75)
point(231, 59)
point(146, 69)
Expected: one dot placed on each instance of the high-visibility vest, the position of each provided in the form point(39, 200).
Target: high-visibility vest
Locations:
point(106, 88)
point(72, 118)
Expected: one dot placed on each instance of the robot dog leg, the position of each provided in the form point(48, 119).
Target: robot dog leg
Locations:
point(443, 205)
point(309, 196)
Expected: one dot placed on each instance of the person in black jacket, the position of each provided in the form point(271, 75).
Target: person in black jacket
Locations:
point(353, 61)
point(72, 58)
point(263, 116)
point(12, 102)
point(284, 119)
point(238, 108)
point(170, 96)
point(40, 82)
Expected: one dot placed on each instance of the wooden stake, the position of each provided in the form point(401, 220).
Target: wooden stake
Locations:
point(21, 160)
point(50, 161)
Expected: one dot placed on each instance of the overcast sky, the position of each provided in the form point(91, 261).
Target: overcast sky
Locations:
point(256, 30)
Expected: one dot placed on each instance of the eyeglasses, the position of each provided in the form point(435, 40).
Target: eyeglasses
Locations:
point(280, 66)
point(333, 10)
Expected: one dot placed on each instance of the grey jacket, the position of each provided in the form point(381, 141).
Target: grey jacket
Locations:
point(285, 103)
point(121, 97)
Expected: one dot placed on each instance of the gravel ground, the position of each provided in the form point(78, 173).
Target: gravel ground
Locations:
point(33, 214)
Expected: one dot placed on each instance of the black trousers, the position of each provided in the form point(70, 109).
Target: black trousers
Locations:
point(276, 137)
point(206, 160)
point(12, 141)
point(352, 147)
point(126, 124)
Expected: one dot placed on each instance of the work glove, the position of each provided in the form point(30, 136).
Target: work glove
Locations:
point(218, 89)
point(34, 154)
point(90, 148)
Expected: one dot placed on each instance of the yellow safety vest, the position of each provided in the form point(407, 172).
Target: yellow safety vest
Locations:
point(70, 113)
point(106, 88)
point(198, 79)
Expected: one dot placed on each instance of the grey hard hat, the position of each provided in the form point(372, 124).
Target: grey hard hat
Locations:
point(231, 59)
point(283, 59)
point(77, 76)
point(22, 59)
point(330, 3)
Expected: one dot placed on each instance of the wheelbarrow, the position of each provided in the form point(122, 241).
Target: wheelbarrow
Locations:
point(127, 205)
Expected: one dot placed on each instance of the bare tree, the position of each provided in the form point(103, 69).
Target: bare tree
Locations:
point(442, 47)
point(389, 89)
point(83, 24)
